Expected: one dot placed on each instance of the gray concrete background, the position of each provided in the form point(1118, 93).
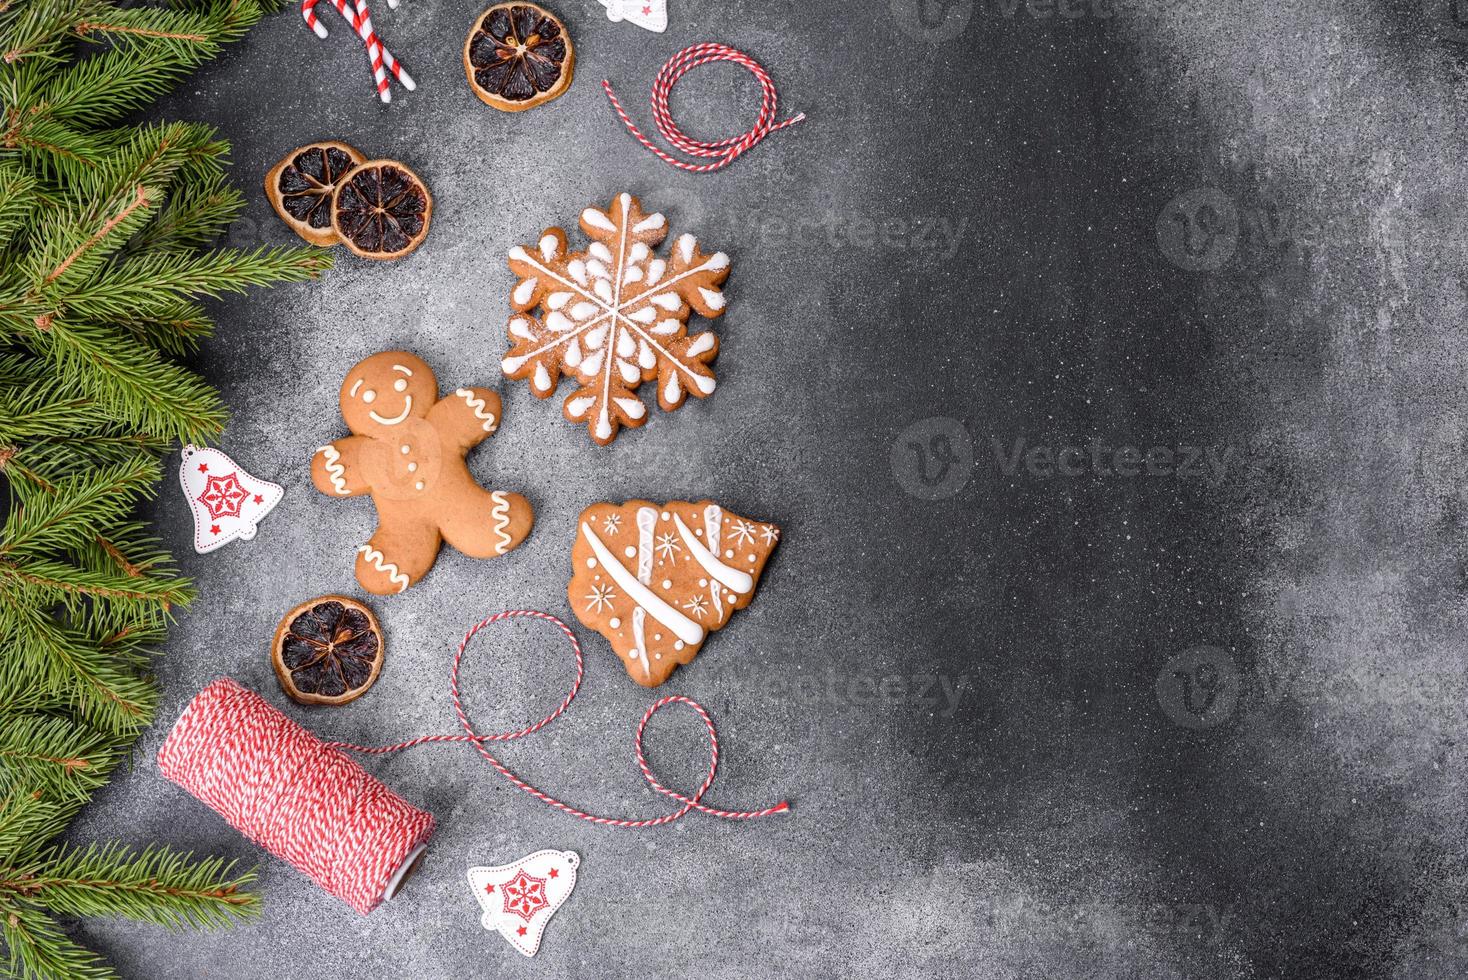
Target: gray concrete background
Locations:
point(1206, 721)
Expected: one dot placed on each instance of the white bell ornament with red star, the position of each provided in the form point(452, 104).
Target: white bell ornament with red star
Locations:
point(650, 15)
point(227, 502)
point(519, 899)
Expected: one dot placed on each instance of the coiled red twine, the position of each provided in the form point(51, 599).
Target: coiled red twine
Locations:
point(291, 793)
point(307, 803)
point(478, 740)
point(722, 152)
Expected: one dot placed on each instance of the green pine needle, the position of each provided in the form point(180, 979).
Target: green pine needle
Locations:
point(39, 950)
point(77, 509)
point(58, 755)
point(155, 885)
point(109, 264)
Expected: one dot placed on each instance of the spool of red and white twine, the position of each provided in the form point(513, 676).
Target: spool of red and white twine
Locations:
point(299, 798)
point(309, 804)
point(722, 152)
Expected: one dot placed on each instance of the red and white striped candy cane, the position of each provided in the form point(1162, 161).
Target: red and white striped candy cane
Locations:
point(308, 11)
point(725, 151)
point(360, 18)
point(378, 52)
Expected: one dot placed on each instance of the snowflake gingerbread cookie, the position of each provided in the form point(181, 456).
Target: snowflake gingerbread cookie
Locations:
point(656, 580)
point(614, 316)
point(407, 450)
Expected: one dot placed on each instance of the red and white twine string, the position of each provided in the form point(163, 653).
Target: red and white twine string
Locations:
point(308, 803)
point(478, 740)
point(725, 151)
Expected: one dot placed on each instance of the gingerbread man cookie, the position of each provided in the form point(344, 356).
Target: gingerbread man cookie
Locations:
point(407, 450)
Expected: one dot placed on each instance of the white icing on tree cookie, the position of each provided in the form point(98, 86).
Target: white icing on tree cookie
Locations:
point(656, 600)
point(683, 627)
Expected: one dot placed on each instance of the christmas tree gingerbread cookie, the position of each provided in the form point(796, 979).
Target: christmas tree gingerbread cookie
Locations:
point(407, 451)
point(656, 580)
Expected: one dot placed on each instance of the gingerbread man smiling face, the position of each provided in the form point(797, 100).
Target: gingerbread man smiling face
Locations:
point(407, 451)
point(385, 391)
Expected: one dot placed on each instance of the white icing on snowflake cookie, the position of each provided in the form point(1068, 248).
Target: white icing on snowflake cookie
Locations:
point(614, 316)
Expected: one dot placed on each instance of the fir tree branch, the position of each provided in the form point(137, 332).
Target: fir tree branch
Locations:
point(104, 87)
point(39, 950)
point(59, 582)
point(31, 414)
point(174, 328)
point(24, 814)
point(31, 698)
point(39, 28)
point(132, 383)
point(29, 819)
point(77, 511)
point(19, 369)
point(140, 200)
point(64, 660)
point(156, 885)
point(65, 256)
point(115, 553)
point(17, 198)
point(194, 216)
point(101, 275)
point(20, 472)
point(56, 755)
point(43, 461)
point(123, 30)
point(150, 280)
point(171, 156)
point(56, 149)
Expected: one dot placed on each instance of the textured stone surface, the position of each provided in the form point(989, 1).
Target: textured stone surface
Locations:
point(1038, 716)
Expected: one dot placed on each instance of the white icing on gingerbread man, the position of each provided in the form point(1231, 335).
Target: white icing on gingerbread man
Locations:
point(407, 450)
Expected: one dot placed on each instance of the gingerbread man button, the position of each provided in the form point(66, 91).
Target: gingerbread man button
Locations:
point(407, 450)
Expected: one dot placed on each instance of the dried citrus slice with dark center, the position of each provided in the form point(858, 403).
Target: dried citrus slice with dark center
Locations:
point(382, 210)
point(300, 187)
point(518, 56)
point(327, 651)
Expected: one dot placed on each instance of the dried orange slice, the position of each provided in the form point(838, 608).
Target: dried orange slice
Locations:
point(518, 56)
point(382, 210)
point(301, 184)
point(327, 651)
